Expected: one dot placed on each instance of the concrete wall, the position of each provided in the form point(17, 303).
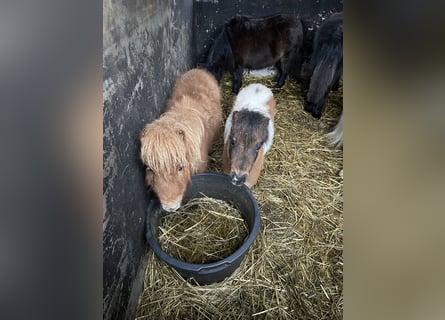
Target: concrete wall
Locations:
point(146, 45)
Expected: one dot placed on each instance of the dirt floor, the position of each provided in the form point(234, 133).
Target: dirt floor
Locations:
point(294, 269)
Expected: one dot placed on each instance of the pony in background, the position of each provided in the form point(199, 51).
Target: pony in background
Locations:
point(257, 43)
point(176, 145)
point(248, 134)
point(326, 64)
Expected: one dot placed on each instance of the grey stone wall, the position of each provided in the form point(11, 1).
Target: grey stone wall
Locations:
point(146, 45)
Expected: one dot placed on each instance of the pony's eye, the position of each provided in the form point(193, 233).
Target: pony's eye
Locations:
point(258, 146)
point(149, 171)
point(232, 142)
point(180, 167)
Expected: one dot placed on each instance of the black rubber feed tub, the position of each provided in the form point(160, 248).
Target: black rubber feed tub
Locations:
point(217, 186)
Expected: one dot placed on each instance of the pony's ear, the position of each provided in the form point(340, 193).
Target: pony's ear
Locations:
point(142, 134)
point(149, 177)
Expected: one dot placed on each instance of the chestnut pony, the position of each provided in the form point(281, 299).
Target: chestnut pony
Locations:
point(257, 43)
point(176, 145)
point(248, 134)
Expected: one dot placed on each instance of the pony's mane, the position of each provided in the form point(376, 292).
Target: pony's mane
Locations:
point(325, 69)
point(169, 142)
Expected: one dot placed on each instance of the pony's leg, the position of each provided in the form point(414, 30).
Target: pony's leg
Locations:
point(295, 64)
point(292, 65)
point(288, 63)
point(237, 78)
point(281, 79)
point(279, 68)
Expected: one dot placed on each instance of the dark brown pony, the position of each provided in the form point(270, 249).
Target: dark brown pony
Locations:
point(326, 64)
point(257, 43)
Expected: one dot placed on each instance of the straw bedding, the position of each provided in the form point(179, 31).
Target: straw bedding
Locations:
point(294, 269)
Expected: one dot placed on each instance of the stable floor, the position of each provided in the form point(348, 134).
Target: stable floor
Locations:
point(294, 270)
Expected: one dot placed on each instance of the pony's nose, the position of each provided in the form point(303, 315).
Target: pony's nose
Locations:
point(237, 179)
point(170, 207)
point(316, 114)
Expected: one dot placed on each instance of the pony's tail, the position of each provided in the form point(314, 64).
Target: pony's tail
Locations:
point(336, 136)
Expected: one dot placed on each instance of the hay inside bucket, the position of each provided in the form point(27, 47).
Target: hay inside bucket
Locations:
point(203, 230)
point(294, 269)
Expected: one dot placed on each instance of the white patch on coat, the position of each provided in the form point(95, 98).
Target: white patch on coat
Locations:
point(253, 98)
point(261, 73)
point(336, 136)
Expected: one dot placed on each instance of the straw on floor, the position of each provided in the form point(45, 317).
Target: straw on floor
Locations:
point(294, 269)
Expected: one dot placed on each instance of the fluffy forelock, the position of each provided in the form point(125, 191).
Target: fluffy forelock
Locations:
point(163, 149)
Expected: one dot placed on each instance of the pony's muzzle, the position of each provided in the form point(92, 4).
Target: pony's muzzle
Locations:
point(238, 179)
point(170, 207)
point(312, 109)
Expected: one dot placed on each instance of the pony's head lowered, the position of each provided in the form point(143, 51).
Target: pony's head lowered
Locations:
point(171, 152)
point(247, 140)
point(220, 57)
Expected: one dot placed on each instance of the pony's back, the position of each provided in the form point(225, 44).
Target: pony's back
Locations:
point(197, 84)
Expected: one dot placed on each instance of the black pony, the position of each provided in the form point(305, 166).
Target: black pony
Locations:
point(257, 43)
point(326, 64)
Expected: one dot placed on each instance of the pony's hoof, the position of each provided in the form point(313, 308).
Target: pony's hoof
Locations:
point(279, 84)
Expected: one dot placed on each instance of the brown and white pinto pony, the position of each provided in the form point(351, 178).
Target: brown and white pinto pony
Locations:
point(257, 43)
point(176, 145)
point(248, 134)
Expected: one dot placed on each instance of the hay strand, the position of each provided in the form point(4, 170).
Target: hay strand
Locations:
point(203, 230)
